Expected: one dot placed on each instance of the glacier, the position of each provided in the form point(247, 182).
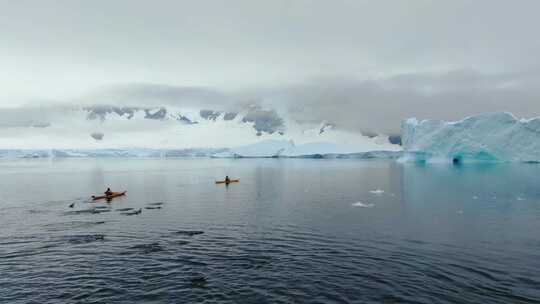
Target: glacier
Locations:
point(177, 131)
point(109, 153)
point(498, 137)
point(367, 149)
point(377, 147)
point(170, 127)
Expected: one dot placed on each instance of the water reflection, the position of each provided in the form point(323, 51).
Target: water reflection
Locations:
point(291, 230)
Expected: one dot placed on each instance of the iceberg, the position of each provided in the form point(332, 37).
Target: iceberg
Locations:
point(497, 137)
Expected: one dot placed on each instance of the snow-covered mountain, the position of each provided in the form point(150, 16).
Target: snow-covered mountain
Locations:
point(262, 121)
point(165, 128)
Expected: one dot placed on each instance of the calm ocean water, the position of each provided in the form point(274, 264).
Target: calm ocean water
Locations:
point(292, 231)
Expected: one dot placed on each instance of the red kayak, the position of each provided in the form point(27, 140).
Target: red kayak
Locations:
point(114, 194)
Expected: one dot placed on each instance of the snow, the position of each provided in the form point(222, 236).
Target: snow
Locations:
point(263, 149)
point(485, 137)
point(107, 153)
point(126, 128)
point(268, 148)
point(287, 148)
point(334, 148)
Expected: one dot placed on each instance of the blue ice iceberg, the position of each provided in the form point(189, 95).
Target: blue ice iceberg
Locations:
point(485, 137)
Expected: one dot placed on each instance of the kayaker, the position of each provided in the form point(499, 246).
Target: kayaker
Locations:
point(227, 179)
point(108, 192)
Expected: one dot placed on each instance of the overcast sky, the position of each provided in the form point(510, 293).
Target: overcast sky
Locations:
point(397, 58)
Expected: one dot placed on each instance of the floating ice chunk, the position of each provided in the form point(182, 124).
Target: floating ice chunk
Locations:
point(475, 197)
point(519, 198)
point(378, 191)
point(365, 205)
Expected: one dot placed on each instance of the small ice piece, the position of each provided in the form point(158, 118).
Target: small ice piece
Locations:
point(460, 212)
point(519, 198)
point(365, 205)
point(378, 191)
point(475, 197)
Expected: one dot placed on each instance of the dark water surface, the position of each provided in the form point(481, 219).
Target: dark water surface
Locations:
point(292, 231)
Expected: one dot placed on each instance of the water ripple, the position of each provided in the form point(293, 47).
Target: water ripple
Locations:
point(246, 245)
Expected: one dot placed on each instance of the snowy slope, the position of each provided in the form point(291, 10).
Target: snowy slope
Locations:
point(288, 148)
point(115, 129)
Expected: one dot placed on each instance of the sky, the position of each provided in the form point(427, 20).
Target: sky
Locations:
point(363, 64)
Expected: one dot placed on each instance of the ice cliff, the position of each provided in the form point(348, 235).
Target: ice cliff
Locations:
point(485, 137)
point(288, 148)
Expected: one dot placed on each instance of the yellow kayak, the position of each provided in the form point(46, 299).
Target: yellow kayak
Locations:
point(230, 181)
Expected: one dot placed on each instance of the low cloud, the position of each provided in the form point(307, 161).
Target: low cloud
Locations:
point(379, 105)
point(369, 106)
